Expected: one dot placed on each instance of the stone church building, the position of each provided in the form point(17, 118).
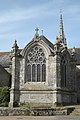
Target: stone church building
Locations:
point(42, 73)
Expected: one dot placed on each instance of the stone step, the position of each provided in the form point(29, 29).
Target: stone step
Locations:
point(76, 111)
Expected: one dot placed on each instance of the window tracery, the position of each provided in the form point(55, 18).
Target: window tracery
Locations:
point(36, 60)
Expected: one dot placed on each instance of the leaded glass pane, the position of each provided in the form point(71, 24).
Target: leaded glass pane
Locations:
point(43, 73)
point(33, 73)
point(38, 73)
point(36, 54)
point(28, 73)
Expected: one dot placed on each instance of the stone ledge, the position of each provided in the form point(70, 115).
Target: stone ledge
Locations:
point(38, 111)
point(14, 111)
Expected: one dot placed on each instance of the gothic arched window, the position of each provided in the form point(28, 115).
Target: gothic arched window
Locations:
point(63, 72)
point(36, 65)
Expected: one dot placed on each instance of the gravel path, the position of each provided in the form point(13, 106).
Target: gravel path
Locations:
point(40, 118)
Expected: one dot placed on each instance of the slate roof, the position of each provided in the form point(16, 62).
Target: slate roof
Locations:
point(4, 59)
point(5, 56)
point(2, 70)
point(47, 41)
point(77, 55)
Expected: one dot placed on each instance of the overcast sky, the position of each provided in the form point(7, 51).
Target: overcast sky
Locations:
point(19, 18)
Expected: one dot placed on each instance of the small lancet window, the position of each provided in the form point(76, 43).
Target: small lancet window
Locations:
point(63, 72)
point(28, 73)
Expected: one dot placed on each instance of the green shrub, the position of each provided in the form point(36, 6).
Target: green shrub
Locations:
point(4, 96)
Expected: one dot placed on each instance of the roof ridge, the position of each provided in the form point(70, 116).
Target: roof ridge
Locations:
point(4, 52)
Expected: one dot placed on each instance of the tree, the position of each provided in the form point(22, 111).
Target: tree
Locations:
point(4, 96)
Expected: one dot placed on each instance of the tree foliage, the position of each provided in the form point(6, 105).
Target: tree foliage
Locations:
point(4, 96)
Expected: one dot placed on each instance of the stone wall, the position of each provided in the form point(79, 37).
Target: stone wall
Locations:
point(52, 71)
point(14, 111)
point(39, 92)
point(38, 97)
point(35, 111)
point(49, 91)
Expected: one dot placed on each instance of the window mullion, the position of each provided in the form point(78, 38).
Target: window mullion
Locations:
point(41, 73)
point(31, 73)
point(36, 73)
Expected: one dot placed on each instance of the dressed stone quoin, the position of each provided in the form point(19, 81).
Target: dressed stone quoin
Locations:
point(42, 73)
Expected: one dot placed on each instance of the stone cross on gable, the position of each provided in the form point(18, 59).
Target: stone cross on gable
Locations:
point(60, 11)
point(36, 30)
point(36, 34)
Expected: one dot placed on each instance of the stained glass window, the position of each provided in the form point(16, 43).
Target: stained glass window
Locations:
point(36, 65)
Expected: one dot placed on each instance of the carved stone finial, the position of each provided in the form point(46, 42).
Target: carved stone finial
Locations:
point(42, 32)
point(60, 11)
point(61, 37)
point(15, 46)
point(73, 50)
